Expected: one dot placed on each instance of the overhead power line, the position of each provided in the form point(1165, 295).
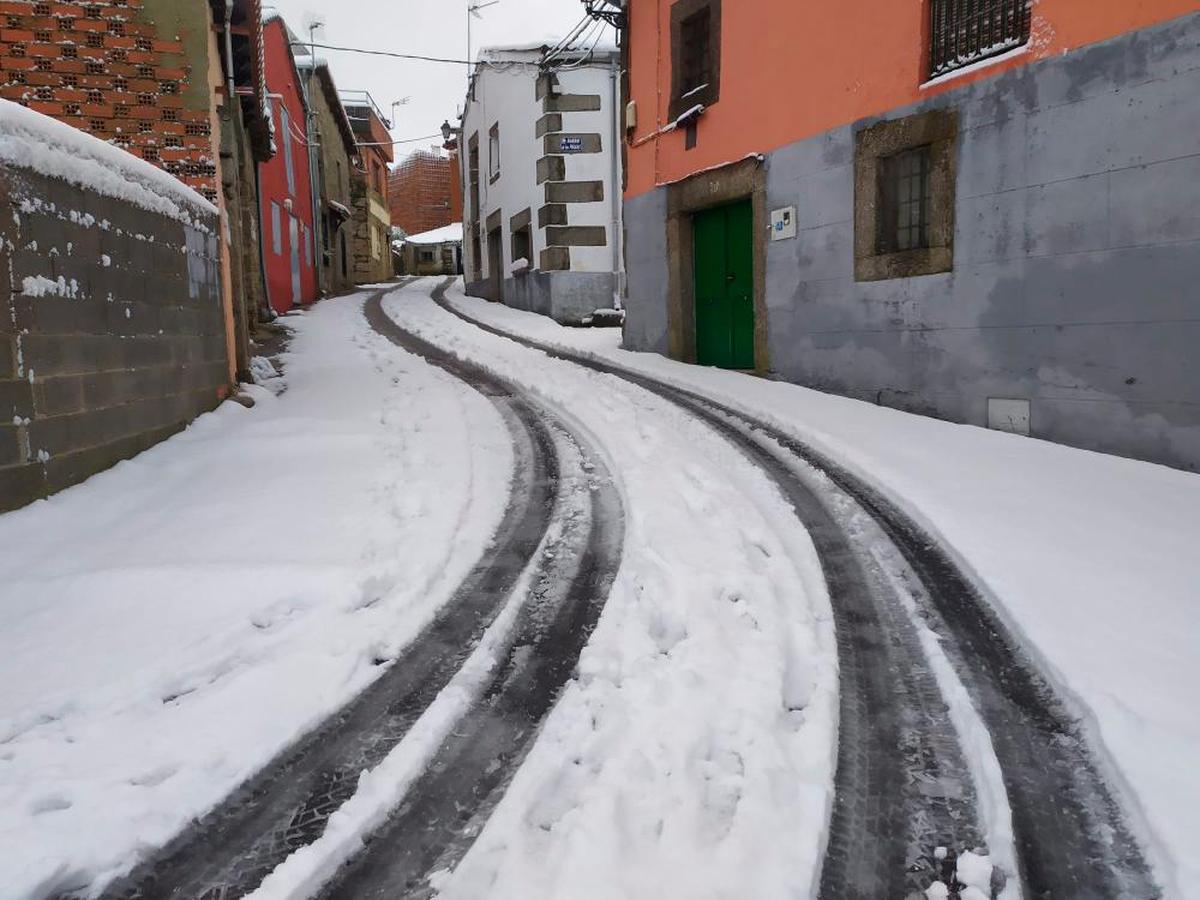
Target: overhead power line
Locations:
point(405, 141)
point(417, 56)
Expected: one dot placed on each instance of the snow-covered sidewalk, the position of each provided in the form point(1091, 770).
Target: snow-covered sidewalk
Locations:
point(170, 625)
point(1090, 558)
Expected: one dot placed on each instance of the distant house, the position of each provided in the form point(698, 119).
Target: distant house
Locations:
point(372, 222)
point(437, 252)
point(542, 179)
point(285, 184)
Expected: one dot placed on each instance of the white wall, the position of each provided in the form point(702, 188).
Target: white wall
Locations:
point(509, 96)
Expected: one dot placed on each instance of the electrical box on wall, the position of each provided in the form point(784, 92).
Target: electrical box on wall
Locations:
point(631, 115)
point(1005, 414)
point(783, 223)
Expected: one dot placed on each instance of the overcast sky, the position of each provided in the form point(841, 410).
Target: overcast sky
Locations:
point(430, 27)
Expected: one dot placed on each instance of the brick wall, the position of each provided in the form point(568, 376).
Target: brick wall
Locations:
point(109, 68)
point(122, 352)
point(420, 194)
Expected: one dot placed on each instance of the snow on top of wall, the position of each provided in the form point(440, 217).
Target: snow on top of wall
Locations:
point(30, 140)
point(452, 233)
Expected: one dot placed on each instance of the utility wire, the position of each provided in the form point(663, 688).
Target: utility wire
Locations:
point(405, 141)
point(417, 56)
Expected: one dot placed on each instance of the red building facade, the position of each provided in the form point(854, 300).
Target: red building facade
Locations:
point(285, 182)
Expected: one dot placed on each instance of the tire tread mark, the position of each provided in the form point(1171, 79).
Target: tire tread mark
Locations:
point(432, 828)
point(1081, 844)
point(285, 805)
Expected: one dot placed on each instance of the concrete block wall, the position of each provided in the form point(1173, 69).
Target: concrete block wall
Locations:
point(1076, 271)
point(124, 351)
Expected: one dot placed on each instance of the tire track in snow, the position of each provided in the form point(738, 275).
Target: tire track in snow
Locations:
point(286, 805)
point(1072, 839)
point(437, 821)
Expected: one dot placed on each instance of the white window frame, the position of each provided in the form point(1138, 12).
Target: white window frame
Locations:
point(288, 162)
point(494, 151)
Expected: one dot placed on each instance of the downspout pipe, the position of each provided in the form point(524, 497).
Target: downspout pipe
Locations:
point(265, 312)
point(310, 133)
point(618, 223)
point(229, 89)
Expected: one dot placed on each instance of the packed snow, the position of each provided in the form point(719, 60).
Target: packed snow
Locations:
point(169, 625)
point(30, 140)
point(42, 286)
point(1090, 558)
point(694, 754)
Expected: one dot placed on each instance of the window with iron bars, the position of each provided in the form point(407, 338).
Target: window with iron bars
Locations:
point(963, 32)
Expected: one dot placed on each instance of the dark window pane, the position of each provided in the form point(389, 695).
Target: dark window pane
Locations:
point(695, 36)
point(904, 201)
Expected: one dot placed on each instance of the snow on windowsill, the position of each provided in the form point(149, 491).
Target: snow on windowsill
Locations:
point(976, 66)
point(30, 140)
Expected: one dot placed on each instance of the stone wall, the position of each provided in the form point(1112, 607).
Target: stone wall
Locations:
point(569, 298)
point(111, 330)
point(334, 176)
point(370, 245)
point(1076, 258)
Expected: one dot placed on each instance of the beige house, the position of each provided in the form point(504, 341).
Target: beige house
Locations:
point(437, 252)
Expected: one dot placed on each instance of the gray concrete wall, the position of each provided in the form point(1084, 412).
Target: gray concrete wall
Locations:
point(1076, 279)
point(646, 273)
point(130, 352)
point(566, 297)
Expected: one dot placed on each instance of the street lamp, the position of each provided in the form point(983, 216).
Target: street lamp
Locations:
point(447, 131)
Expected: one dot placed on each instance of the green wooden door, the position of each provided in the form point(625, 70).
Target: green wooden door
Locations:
point(724, 254)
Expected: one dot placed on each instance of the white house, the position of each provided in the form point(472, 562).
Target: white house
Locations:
point(542, 181)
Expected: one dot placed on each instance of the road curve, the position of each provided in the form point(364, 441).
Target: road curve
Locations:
point(437, 821)
point(230, 850)
point(1072, 839)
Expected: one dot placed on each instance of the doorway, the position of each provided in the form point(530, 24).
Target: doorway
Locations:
point(723, 243)
point(496, 265)
point(294, 235)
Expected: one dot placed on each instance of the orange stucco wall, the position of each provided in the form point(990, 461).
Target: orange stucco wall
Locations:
point(791, 69)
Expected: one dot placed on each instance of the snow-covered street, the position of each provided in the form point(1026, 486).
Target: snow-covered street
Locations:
point(155, 652)
point(154, 657)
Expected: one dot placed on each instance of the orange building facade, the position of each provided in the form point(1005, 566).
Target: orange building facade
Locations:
point(424, 192)
point(974, 211)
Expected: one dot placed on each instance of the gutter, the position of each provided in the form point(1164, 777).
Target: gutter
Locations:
point(618, 222)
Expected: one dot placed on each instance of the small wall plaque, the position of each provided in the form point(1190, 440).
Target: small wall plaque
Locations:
point(783, 223)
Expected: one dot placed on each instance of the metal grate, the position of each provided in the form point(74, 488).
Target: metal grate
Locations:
point(966, 31)
point(905, 201)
